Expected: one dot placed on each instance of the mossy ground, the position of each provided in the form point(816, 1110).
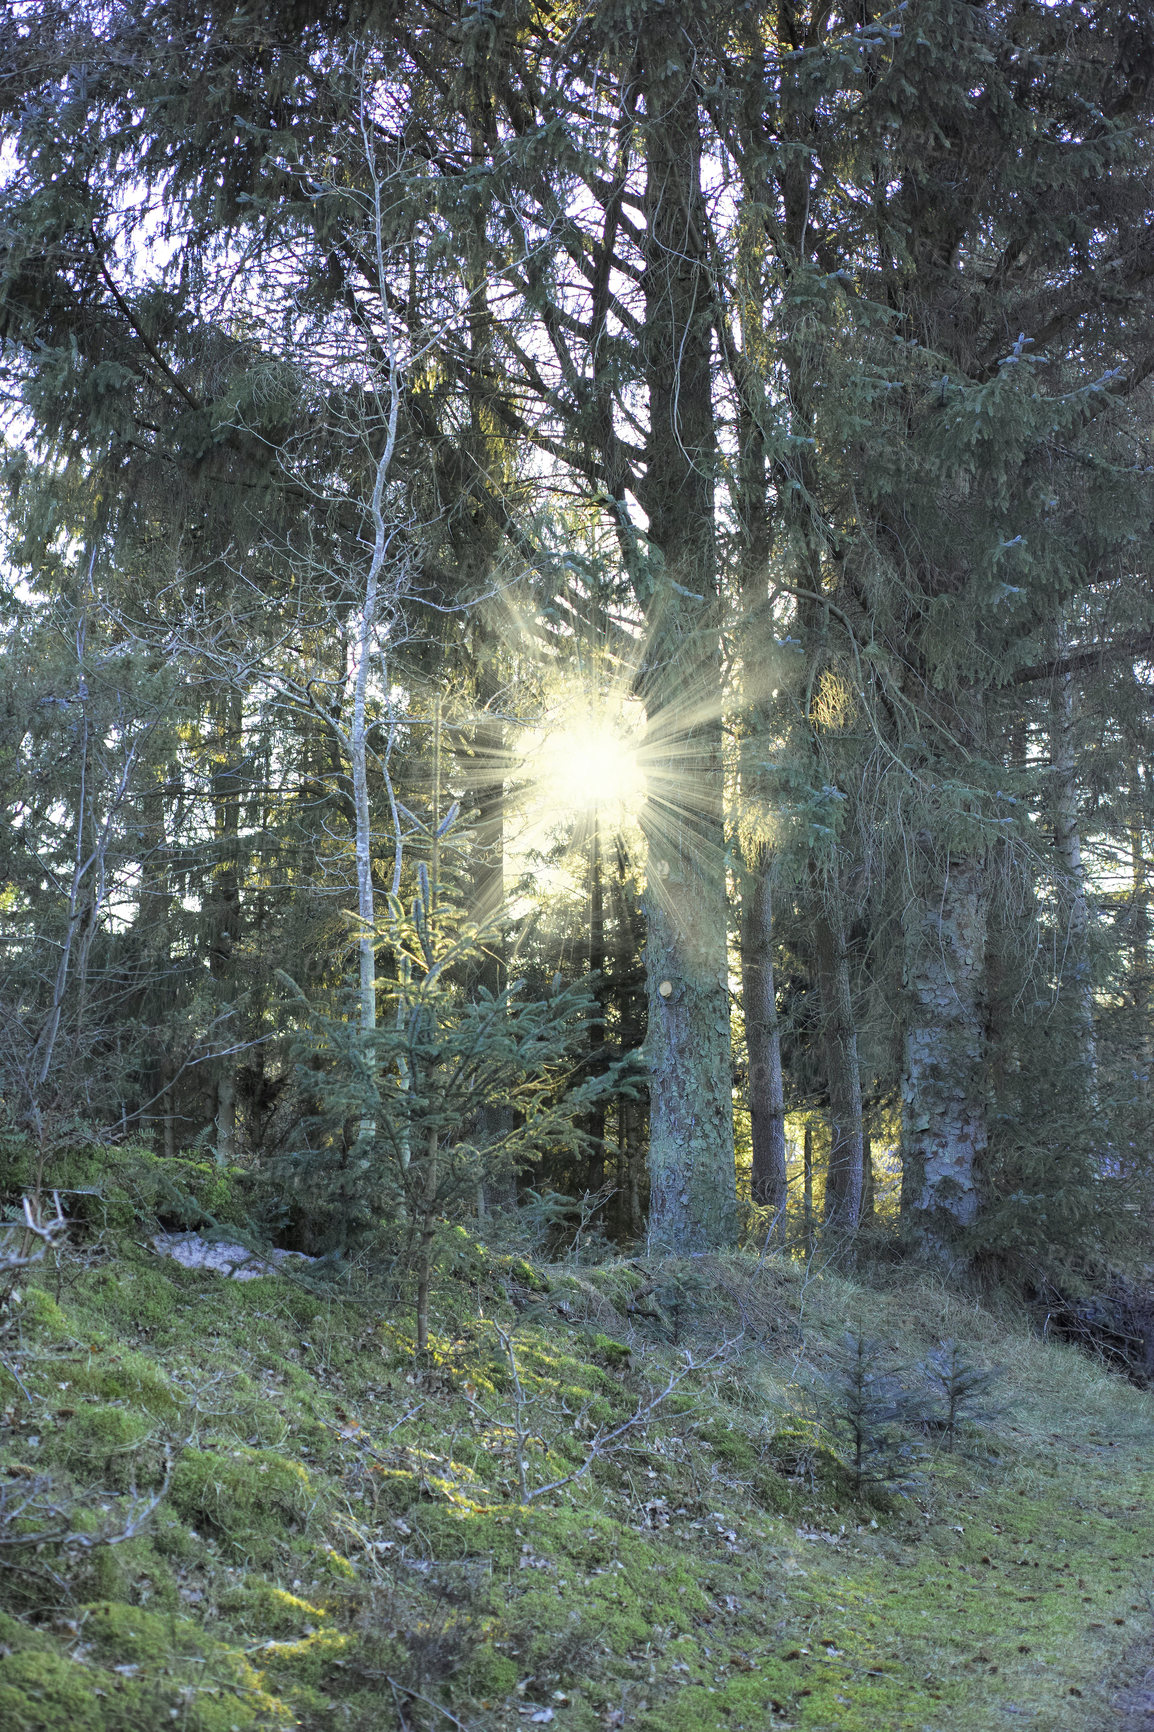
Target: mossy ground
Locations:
point(339, 1543)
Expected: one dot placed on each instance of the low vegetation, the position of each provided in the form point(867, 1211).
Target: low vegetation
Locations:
point(252, 1505)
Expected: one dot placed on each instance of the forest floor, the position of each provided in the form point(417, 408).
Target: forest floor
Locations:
point(229, 1506)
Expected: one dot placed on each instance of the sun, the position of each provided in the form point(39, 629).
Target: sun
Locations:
point(584, 762)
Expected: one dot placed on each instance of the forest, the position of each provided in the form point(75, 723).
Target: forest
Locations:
point(576, 653)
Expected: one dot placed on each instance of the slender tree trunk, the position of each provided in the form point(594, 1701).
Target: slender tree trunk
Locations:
point(868, 1194)
point(843, 1183)
point(595, 1125)
point(363, 831)
point(1074, 973)
point(762, 1040)
point(693, 1198)
point(944, 1086)
point(498, 1190)
point(808, 1222)
point(225, 915)
point(428, 1233)
point(1140, 930)
point(629, 1000)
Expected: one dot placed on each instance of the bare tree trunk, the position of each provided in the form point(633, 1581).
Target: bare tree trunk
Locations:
point(868, 1193)
point(693, 1195)
point(808, 1223)
point(224, 914)
point(762, 1040)
point(766, 1093)
point(628, 997)
point(595, 1124)
point(428, 1232)
point(1074, 973)
point(944, 1133)
point(498, 1190)
point(363, 833)
point(1140, 930)
point(843, 1183)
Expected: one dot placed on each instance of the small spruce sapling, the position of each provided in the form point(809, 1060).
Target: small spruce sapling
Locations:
point(958, 1390)
point(869, 1404)
point(403, 1132)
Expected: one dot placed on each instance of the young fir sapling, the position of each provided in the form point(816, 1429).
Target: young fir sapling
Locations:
point(869, 1405)
point(404, 1133)
point(958, 1390)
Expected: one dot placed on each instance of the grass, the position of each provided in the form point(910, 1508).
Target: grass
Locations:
point(338, 1541)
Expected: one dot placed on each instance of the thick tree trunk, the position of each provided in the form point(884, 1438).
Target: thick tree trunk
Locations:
point(693, 1200)
point(762, 1041)
point(766, 1096)
point(843, 1182)
point(944, 1086)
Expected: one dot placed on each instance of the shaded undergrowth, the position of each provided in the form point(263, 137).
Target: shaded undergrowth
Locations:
point(335, 1534)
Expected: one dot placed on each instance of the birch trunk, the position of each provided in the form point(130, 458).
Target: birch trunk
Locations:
point(363, 829)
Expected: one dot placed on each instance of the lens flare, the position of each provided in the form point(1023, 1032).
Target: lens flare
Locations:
point(580, 773)
point(587, 764)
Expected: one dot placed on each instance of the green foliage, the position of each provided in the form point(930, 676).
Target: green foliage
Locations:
point(450, 1091)
point(959, 1389)
point(869, 1408)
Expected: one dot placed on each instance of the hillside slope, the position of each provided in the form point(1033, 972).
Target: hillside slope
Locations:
point(244, 1505)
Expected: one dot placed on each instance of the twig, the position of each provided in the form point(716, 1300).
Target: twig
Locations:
point(395, 1685)
point(603, 1441)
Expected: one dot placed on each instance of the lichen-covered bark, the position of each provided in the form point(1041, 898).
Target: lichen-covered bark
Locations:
point(693, 1202)
point(944, 1086)
point(692, 1197)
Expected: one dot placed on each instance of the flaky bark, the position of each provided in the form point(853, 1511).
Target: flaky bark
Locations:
point(693, 1202)
point(944, 1133)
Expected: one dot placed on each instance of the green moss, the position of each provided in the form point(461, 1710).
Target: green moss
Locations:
point(124, 1375)
point(802, 1452)
point(247, 1496)
point(730, 1445)
point(658, 1579)
point(134, 1635)
point(42, 1310)
point(308, 1660)
point(266, 1610)
point(45, 1692)
point(105, 1442)
point(614, 1353)
point(492, 1674)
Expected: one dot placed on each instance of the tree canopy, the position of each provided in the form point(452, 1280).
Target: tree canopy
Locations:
point(763, 388)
